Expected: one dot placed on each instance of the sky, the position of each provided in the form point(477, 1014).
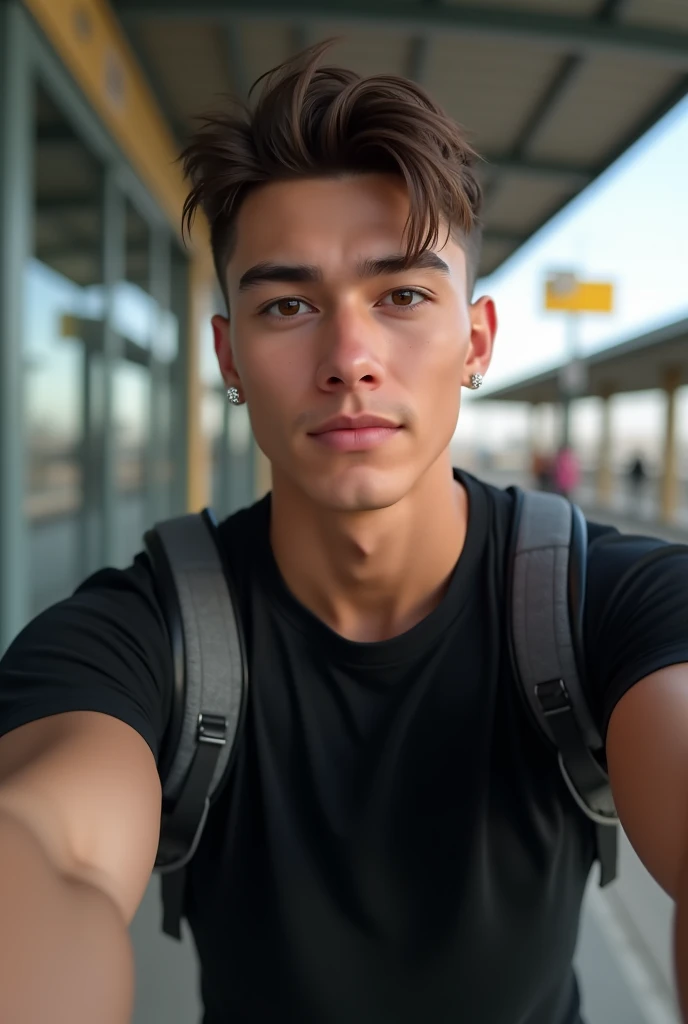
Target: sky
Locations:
point(629, 227)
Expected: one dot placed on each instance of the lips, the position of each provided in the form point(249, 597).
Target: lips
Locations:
point(355, 433)
point(354, 423)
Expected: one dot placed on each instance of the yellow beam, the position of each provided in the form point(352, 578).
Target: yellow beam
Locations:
point(201, 292)
point(86, 35)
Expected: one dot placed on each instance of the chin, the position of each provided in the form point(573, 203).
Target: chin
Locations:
point(359, 490)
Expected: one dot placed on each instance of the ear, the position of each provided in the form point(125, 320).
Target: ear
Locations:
point(483, 332)
point(223, 351)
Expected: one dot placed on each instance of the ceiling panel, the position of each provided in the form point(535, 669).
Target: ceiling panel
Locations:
point(664, 13)
point(493, 254)
point(263, 45)
point(190, 60)
point(490, 88)
point(519, 202)
point(369, 52)
point(600, 110)
point(62, 169)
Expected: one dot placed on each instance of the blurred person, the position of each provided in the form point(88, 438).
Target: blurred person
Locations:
point(566, 471)
point(541, 470)
point(637, 478)
point(395, 845)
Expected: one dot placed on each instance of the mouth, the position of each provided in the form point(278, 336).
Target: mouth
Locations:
point(355, 434)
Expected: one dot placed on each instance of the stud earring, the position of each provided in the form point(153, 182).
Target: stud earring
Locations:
point(233, 395)
point(476, 381)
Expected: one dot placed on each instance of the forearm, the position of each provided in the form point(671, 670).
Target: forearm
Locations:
point(65, 953)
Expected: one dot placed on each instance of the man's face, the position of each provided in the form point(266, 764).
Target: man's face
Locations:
point(328, 335)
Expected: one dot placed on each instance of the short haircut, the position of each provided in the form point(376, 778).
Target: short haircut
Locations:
point(313, 121)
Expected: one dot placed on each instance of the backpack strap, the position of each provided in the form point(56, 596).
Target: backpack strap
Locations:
point(548, 564)
point(209, 693)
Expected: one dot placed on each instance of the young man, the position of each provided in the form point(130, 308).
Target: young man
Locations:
point(396, 844)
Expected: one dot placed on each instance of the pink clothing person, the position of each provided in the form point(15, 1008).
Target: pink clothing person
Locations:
point(566, 471)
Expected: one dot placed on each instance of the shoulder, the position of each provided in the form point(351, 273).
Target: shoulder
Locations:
point(105, 648)
point(636, 618)
point(617, 561)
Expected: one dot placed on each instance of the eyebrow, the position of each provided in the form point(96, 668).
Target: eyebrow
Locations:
point(304, 273)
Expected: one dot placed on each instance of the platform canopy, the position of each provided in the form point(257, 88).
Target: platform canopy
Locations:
point(551, 92)
point(638, 364)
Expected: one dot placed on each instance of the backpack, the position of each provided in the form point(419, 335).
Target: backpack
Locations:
point(546, 577)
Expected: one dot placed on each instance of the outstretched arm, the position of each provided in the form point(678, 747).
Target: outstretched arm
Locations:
point(647, 754)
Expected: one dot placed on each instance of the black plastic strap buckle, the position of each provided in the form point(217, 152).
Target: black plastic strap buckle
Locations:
point(183, 825)
point(553, 696)
point(212, 729)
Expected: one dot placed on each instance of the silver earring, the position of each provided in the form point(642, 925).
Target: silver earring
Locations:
point(233, 395)
point(476, 381)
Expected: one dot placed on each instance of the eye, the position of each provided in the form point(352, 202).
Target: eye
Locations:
point(286, 309)
point(404, 298)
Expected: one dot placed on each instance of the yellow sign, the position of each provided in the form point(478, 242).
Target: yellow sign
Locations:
point(565, 293)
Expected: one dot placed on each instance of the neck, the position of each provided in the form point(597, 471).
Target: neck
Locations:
point(371, 576)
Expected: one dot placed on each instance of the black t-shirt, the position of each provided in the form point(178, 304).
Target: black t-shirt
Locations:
point(396, 844)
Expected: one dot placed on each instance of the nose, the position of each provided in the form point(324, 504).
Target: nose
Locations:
point(351, 354)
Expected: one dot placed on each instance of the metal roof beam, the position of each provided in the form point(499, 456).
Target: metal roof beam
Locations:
point(576, 177)
point(236, 66)
point(564, 81)
point(419, 51)
point(566, 34)
point(300, 37)
point(417, 60)
point(504, 236)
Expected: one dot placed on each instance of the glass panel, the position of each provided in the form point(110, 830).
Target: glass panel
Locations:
point(131, 400)
point(173, 404)
point(64, 310)
point(135, 316)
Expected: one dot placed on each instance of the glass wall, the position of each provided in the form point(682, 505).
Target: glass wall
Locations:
point(135, 323)
point(104, 409)
point(96, 385)
point(64, 305)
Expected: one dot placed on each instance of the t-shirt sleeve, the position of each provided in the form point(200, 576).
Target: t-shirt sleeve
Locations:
point(105, 649)
point(636, 614)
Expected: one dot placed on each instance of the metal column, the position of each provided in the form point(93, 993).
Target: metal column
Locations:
point(158, 494)
point(669, 482)
point(113, 274)
point(16, 195)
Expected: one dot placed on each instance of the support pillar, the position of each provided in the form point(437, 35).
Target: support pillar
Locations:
point(534, 438)
point(669, 481)
point(604, 455)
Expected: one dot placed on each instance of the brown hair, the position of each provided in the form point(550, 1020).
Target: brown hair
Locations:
point(313, 121)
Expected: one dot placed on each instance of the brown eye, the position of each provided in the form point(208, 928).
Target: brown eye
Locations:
point(403, 297)
point(287, 309)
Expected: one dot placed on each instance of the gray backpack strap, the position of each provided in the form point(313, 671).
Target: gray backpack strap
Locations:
point(548, 561)
point(210, 688)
